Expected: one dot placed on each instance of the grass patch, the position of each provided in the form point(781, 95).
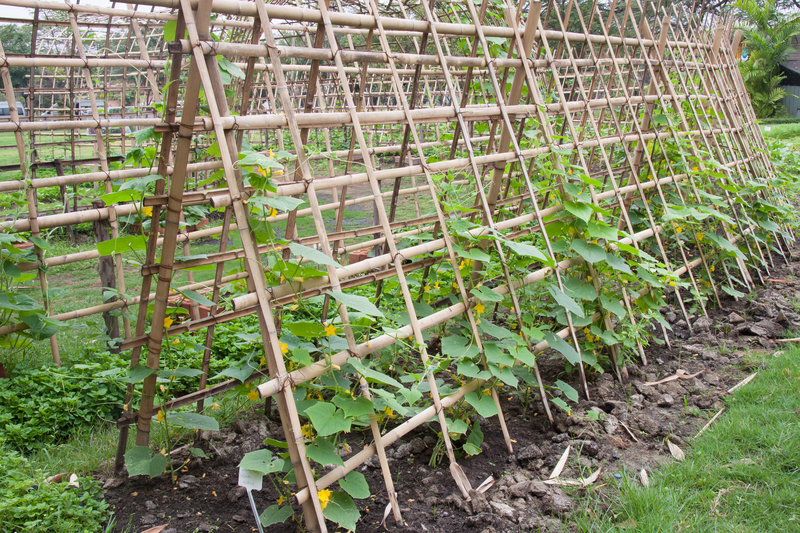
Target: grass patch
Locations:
point(742, 475)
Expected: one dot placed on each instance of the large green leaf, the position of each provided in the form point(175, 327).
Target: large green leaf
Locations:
point(324, 452)
point(565, 301)
point(355, 484)
point(240, 370)
point(528, 250)
point(373, 374)
point(342, 510)
point(486, 294)
point(311, 330)
point(579, 209)
point(560, 345)
point(353, 406)
point(483, 403)
point(139, 462)
point(275, 514)
point(122, 244)
point(314, 255)
point(359, 303)
point(193, 421)
point(592, 253)
point(262, 461)
point(327, 419)
point(613, 305)
point(137, 373)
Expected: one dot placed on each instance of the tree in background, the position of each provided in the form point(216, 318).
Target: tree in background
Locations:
point(16, 39)
point(768, 36)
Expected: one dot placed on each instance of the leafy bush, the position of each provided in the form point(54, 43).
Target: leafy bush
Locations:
point(27, 503)
point(41, 406)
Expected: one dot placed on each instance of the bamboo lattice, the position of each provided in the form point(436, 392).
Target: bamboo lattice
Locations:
point(441, 115)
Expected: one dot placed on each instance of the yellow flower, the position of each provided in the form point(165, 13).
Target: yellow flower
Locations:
point(278, 172)
point(168, 322)
point(273, 212)
point(324, 498)
point(479, 308)
point(252, 395)
point(262, 171)
point(487, 392)
point(678, 229)
point(271, 154)
point(330, 330)
point(672, 283)
point(262, 361)
point(436, 285)
point(455, 285)
point(427, 288)
point(586, 331)
point(389, 413)
point(147, 211)
point(284, 347)
point(160, 416)
point(215, 406)
point(281, 500)
point(695, 169)
point(699, 236)
point(712, 268)
point(308, 431)
point(570, 171)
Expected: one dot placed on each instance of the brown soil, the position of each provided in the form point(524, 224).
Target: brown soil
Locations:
point(207, 498)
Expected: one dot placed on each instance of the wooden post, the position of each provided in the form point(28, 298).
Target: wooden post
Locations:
point(108, 279)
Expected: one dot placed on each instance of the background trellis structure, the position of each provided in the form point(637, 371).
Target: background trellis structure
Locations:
point(541, 114)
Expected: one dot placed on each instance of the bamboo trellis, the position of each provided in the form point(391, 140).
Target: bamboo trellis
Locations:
point(498, 91)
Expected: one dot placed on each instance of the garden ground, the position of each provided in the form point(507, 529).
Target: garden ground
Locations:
point(742, 475)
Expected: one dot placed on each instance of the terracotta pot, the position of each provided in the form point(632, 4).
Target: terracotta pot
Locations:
point(359, 255)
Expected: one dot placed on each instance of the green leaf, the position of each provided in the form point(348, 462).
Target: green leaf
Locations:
point(137, 373)
point(342, 510)
point(122, 244)
point(568, 390)
point(495, 331)
point(310, 330)
point(262, 461)
point(324, 452)
point(373, 374)
point(458, 347)
point(41, 243)
point(457, 426)
point(528, 250)
point(193, 421)
point(179, 373)
point(240, 370)
point(355, 484)
point(139, 462)
point(565, 301)
point(617, 263)
point(276, 443)
point(471, 449)
point(261, 160)
point(579, 209)
point(275, 514)
point(327, 419)
point(197, 452)
point(732, 291)
point(471, 370)
point(197, 297)
point(359, 303)
point(598, 230)
point(476, 254)
point(314, 255)
point(486, 294)
point(169, 29)
point(18, 302)
point(354, 407)
point(563, 347)
point(483, 403)
point(283, 203)
point(592, 253)
point(613, 305)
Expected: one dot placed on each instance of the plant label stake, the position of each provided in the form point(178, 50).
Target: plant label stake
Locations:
point(251, 480)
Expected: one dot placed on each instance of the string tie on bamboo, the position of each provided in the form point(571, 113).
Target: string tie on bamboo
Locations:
point(283, 379)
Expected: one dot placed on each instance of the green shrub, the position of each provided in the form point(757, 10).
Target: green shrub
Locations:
point(45, 405)
point(27, 503)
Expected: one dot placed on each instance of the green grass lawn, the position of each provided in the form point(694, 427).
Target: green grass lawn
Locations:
point(742, 475)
